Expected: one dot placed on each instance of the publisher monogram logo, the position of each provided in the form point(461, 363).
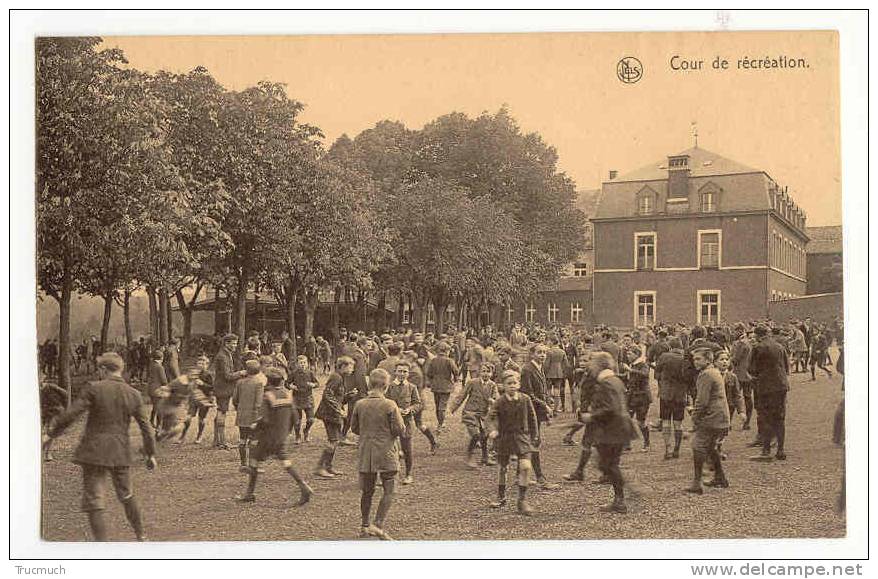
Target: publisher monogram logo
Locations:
point(629, 70)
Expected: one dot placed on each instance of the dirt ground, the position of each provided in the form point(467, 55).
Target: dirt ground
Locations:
point(190, 497)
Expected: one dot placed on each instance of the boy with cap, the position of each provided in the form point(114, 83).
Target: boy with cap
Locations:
point(105, 448)
point(272, 430)
point(248, 402)
point(226, 370)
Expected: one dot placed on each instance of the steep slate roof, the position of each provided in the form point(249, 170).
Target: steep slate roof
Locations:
point(825, 239)
point(702, 163)
point(747, 187)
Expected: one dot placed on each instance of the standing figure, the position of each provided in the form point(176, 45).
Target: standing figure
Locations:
point(331, 412)
point(105, 448)
point(611, 428)
point(157, 379)
point(303, 382)
point(226, 371)
point(247, 399)
point(441, 373)
point(405, 395)
point(378, 423)
point(478, 394)
point(514, 426)
point(769, 367)
point(711, 420)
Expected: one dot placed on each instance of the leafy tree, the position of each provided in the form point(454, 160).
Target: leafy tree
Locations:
point(98, 136)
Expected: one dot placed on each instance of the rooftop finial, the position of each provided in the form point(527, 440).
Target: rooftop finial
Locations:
point(695, 132)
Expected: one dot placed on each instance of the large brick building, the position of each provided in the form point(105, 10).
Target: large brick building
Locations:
point(695, 238)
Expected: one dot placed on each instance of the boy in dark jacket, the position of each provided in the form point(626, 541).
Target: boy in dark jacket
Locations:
point(272, 431)
point(331, 412)
point(479, 394)
point(514, 426)
point(611, 425)
point(303, 382)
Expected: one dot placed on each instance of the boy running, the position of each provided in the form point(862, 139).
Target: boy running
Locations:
point(272, 430)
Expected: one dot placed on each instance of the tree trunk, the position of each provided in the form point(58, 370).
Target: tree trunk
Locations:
point(126, 316)
point(311, 302)
point(169, 314)
point(153, 313)
point(420, 321)
point(186, 312)
point(162, 316)
point(241, 310)
point(292, 295)
point(440, 317)
point(64, 345)
point(105, 324)
point(217, 311)
point(382, 307)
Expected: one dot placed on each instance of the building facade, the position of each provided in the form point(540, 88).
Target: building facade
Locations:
point(569, 301)
point(824, 265)
point(695, 238)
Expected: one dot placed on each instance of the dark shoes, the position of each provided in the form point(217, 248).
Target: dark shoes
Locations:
point(245, 498)
point(574, 477)
point(781, 455)
point(717, 484)
point(305, 496)
point(499, 503)
point(616, 506)
point(568, 442)
point(695, 490)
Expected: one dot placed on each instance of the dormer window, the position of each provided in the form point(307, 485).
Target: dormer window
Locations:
point(708, 202)
point(646, 199)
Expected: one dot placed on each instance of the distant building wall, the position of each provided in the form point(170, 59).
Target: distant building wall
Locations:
point(820, 308)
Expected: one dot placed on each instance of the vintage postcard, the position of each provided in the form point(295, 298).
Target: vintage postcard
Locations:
point(440, 287)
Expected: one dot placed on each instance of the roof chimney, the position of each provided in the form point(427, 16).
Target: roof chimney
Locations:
point(613, 174)
point(678, 177)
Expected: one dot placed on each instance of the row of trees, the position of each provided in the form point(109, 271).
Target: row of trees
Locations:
point(172, 184)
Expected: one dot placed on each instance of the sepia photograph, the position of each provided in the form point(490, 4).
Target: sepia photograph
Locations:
point(493, 286)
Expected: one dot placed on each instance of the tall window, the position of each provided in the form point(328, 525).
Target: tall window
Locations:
point(575, 312)
point(709, 249)
point(431, 314)
point(589, 234)
point(645, 251)
point(708, 202)
point(529, 312)
point(406, 316)
point(645, 308)
point(553, 312)
point(510, 312)
point(645, 204)
point(580, 270)
point(708, 307)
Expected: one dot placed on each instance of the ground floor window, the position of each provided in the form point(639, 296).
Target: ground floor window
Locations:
point(510, 313)
point(529, 312)
point(644, 308)
point(431, 314)
point(576, 312)
point(708, 307)
point(553, 312)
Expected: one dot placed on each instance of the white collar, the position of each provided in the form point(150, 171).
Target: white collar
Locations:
point(605, 373)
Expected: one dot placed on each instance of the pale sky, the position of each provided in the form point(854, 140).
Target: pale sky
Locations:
point(563, 86)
